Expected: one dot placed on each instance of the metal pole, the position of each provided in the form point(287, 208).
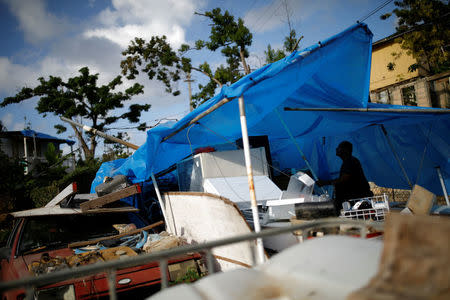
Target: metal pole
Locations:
point(189, 80)
point(251, 184)
point(25, 151)
point(34, 144)
point(100, 133)
point(161, 202)
point(392, 110)
point(396, 156)
point(111, 276)
point(444, 189)
point(163, 272)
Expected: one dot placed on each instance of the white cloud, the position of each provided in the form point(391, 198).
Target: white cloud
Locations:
point(99, 48)
point(35, 21)
point(144, 18)
point(13, 76)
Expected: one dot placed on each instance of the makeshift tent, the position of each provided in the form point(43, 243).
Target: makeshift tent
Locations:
point(334, 73)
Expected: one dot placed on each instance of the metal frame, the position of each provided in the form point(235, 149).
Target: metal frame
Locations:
point(31, 283)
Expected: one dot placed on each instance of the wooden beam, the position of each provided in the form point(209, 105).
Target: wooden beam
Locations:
point(91, 242)
point(109, 198)
point(69, 190)
point(111, 210)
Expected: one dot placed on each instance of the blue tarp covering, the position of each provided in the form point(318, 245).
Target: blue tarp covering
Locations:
point(43, 136)
point(332, 74)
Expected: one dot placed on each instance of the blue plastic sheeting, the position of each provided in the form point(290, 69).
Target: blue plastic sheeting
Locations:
point(334, 73)
point(43, 136)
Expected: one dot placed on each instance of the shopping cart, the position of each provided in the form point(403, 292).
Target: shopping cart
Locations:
point(369, 208)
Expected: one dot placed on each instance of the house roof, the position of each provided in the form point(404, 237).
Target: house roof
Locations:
point(38, 135)
point(387, 39)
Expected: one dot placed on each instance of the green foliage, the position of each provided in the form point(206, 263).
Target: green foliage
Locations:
point(426, 32)
point(291, 43)
point(80, 96)
point(117, 150)
point(2, 127)
point(391, 66)
point(159, 61)
point(11, 182)
point(273, 55)
point(83, 175)
point(42, 195)
point(191, 275)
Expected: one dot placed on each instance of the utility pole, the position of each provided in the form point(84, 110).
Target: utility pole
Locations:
point(189, 80)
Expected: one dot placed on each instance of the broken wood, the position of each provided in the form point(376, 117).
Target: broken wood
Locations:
point(112, 210)
point(109, 198)
point(68, 191)
point(237, 262)
point(91, 242)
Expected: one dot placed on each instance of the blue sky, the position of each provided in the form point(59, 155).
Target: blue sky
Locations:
point(58, 37)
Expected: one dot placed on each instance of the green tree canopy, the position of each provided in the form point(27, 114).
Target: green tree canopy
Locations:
point(291, 43)
point(424, 26)
point(80, 96)
point(159, 61)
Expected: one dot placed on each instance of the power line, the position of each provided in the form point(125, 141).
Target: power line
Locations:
point(362, 19)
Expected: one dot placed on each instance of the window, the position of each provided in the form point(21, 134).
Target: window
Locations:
point(409, 96)
point(384, 97)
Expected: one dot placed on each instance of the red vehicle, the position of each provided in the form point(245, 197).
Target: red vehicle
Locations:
point(40, 241)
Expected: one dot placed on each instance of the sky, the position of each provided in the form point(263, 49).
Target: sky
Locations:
point(58, 37)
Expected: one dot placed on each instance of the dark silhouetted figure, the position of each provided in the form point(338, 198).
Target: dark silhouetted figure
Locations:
point(352, 182)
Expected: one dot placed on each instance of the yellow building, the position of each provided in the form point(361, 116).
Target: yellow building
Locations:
point(392, 83)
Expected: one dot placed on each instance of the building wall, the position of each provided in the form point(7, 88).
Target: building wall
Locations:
point(401, 87)
point(6, 146)
point(382, 55)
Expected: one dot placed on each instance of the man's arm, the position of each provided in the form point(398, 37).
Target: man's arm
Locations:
point(343, 178)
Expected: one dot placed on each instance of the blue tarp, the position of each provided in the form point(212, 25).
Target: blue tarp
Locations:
point(43, 136)
point(332, 74)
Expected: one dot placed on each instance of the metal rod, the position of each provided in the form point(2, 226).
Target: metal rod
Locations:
point(210, 261)
point(81, 271)
point(251, 183)
point(111, 275)
point(203, 114)
point(100, 133)
point(298, 148)
point(29, 292)
point(444, 188)
point(163, 271)
point(25, 152)
point(161, 203)
point(394, 110)
point(396, 156)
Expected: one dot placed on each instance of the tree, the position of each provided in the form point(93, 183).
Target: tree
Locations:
point(290, 44)
point(425, 33)
point(159, 61)
point(80, 96)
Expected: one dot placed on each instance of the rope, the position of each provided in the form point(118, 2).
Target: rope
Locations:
point(423, 154)
point(298, 147)
point(375, 10)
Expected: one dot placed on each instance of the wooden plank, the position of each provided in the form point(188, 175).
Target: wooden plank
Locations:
point(91, 242)
point(233, 261)
point(69, 190)
point(421, 201)
point(109, 198)
point(112, 210)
